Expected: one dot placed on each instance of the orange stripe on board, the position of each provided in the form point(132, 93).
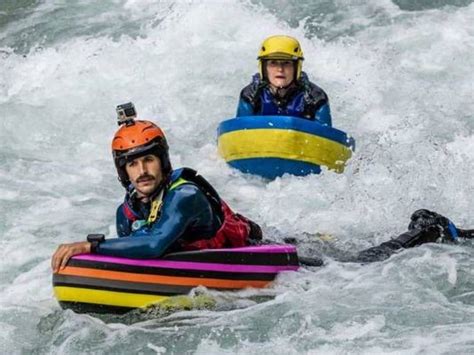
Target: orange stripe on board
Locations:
point(159, 279)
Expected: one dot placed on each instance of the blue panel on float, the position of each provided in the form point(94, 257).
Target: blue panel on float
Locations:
point(271, 168)
point(271, 146)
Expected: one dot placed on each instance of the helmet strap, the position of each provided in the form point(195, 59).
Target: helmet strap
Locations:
point(263, 64)
point(295, 66)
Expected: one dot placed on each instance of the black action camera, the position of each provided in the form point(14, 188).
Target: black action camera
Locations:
point(126, 113)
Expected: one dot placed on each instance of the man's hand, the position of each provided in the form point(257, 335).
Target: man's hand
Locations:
point(64, 253)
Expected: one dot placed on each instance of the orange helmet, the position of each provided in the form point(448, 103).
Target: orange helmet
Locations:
point(135, 139)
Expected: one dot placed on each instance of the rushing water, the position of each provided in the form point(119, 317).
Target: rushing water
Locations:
point(400, 78)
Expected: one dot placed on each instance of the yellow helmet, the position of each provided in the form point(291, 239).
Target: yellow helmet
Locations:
point(281, 47)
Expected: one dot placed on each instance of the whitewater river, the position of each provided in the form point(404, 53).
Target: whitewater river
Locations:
point(399, 75)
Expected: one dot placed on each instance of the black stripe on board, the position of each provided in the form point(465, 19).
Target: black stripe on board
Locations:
point(120, 286)
point(234, 257)
point(99, 265)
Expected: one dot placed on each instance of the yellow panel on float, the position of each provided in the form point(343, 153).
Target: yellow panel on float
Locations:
point(285, 144)
point(103, 297)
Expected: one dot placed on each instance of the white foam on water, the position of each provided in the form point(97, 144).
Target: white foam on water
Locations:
point(399, 82)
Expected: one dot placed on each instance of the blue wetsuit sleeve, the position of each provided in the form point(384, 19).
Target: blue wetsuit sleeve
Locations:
point(244, 108)
point(183, 206)
point(323, 115)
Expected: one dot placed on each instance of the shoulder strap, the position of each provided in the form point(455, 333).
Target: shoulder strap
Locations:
point(211, 194)
point(185, 176)
point(251, 93)
point(177, 183)
point(314, 96)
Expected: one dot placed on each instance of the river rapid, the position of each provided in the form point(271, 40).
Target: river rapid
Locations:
point(399, 75)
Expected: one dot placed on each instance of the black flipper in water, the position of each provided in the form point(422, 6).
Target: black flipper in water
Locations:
point(308, 261)
point(466, 233)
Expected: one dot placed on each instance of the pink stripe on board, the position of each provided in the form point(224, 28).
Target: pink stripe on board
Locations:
point(186, 265)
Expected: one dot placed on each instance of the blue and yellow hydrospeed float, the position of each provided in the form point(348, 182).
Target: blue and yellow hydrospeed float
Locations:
point(271, 146)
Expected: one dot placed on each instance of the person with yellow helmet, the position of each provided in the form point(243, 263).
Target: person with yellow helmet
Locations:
point(281, 87)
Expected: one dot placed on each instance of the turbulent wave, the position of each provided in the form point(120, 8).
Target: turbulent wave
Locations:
point(399, 76)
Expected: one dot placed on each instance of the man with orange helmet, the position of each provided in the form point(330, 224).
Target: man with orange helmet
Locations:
point(281, 87)
point(164, 210)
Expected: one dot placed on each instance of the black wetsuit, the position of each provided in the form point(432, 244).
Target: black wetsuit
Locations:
point(425, 227)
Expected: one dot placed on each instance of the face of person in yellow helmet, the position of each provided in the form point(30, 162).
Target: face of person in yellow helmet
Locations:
point(145, 174)
point(280, 73)
point(285, 51)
